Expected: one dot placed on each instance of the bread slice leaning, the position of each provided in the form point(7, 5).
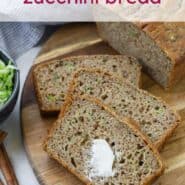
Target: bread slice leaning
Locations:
point(100, 148)
point(51, 79)
point(155, 118)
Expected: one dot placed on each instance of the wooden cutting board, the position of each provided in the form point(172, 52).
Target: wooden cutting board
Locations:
point(79, 39)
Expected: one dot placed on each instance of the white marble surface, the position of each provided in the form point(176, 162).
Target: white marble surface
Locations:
point(14, 141)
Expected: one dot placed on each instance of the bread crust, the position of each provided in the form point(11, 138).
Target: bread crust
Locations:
point(159, 144)
point(170, 38)
point(130, 123)
point(54, 110)
point(177, 74)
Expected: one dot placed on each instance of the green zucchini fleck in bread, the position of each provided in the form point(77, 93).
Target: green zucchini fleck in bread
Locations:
point(51, 79)
point(155, 118)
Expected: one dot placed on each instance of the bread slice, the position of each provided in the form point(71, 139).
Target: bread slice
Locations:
point(99, 148)
point(51, 79)
point(160, 47)
point(156, 119)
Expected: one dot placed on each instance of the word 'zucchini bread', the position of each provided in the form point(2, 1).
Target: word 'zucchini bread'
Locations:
point(155, 118)
point(51, 79)
point(99, 148)
point(160, 47)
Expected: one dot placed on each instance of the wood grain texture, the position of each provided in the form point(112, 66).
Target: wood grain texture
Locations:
point(35, 126)
point(68, 39)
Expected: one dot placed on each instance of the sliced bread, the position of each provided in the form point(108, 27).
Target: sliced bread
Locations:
point(51, 79)
point(155, 118)
point(99, 148)
point(160, 47)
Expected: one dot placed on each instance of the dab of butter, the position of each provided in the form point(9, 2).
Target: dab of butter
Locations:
point(102, 159)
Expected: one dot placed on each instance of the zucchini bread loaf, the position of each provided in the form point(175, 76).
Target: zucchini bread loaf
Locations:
point(156, 119)
point(51, 79)
point(160, 47)
point(99, 148)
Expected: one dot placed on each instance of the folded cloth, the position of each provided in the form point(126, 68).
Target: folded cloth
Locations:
point(16, 38)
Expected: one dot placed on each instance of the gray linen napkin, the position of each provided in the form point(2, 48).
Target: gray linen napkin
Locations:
point(17, 38)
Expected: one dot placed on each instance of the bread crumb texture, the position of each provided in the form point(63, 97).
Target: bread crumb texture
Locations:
point(52, 79)
point(154, 117)
point(87, 137)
